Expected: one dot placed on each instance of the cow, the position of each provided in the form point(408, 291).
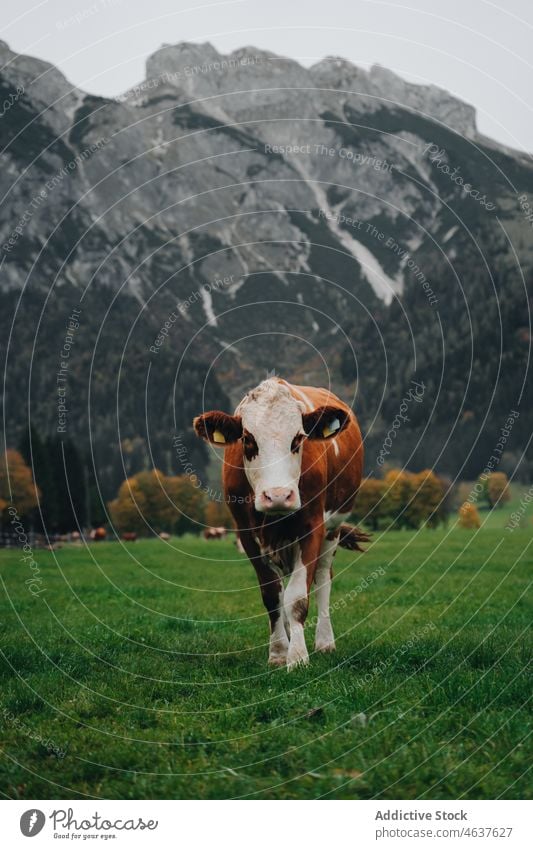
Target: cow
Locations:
point(215, 533)
point(129, 536)
point(293, 461)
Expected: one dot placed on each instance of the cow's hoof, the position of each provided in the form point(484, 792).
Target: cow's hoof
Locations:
point(325, 647)
point(277, 660)
point(299, 660)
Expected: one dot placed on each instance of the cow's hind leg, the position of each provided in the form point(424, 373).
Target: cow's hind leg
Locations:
point(324, 639)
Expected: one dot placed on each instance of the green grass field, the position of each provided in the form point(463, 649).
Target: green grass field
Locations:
point(144, 666)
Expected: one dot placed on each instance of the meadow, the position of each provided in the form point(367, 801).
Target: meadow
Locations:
point(140, 671)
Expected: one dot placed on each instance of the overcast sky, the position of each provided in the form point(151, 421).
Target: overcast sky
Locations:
point(478, 50)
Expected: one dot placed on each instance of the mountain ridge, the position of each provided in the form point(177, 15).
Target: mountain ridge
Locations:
point(328, 211)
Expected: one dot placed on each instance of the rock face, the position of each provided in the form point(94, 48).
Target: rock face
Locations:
point(269, 207)
point(381, 88)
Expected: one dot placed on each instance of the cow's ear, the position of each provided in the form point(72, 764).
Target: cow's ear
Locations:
point(325, 422)
point(218, 428)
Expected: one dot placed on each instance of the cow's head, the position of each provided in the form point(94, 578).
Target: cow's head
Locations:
point(272, 426)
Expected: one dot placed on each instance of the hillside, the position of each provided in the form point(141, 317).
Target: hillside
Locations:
point(349, 227)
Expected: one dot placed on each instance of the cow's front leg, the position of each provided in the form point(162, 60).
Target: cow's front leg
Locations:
point(272, 594)
point(279, 641)
point(295, 602)
point(296, 597)
point(324, 639)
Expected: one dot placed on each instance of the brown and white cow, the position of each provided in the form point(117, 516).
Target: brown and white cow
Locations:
point(293, 462)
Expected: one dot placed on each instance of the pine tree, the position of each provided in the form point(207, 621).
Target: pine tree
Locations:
point(77, 486)
point(70, 485)
point(96, 512)
point(36, 455)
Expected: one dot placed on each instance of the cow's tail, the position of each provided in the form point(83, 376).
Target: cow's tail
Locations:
point(350, 537)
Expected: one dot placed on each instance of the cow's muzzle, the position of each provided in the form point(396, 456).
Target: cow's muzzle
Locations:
point(277, 499)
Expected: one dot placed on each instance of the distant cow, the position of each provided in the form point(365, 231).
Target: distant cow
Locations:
point(293, 461)
point(129, 536)
point(215, 533)
point(98, 534)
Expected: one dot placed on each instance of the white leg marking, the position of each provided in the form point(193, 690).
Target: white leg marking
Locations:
point(295, 593)
point(286, 623)
point(324, 639)
point(279, 641)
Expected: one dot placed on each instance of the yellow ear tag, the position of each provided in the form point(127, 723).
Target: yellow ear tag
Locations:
point(218, 436)
point(331, 428)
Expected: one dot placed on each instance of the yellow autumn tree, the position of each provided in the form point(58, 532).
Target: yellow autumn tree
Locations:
point(159, 509)
point(412, 499)
point(217, 515)
point(152, 501)
point(370, 504)
point(128, 510)
point(468, 516)
point(428, 493)
point(17, 486)
point(399, 491)
point(498, 489)
point(188, 504)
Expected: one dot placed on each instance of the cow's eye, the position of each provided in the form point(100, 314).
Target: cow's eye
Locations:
point(250, 445)
point(296, 442)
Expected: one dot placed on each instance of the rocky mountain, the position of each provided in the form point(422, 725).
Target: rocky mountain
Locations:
point(236, 214)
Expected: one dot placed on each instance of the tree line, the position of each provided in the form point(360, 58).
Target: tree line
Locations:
point(49, 483)
point(403, 499)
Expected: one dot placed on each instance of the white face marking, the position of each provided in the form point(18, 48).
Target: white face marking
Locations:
point(273, 417)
